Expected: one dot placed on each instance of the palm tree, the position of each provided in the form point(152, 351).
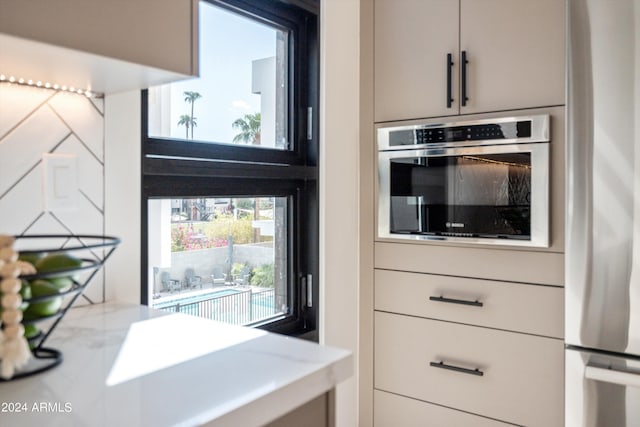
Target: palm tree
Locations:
point(185, 120)
point(193, 124)
point(191, 97)
point(249, 126)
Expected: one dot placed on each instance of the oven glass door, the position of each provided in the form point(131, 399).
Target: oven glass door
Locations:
point(484, 192)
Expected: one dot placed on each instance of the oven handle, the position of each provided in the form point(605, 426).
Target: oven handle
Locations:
point(463, 83)
point(449, 66)
point(613, 376)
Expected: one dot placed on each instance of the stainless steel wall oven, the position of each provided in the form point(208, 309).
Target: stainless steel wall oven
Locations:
point(481, 181)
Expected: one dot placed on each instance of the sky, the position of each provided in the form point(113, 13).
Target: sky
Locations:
point(228, 44)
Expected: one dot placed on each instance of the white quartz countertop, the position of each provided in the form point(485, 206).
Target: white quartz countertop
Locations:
point(127, 365)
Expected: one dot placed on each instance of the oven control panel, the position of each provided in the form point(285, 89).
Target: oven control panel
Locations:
point(480, 132)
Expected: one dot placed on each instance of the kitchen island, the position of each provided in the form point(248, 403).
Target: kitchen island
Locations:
point(127, 365)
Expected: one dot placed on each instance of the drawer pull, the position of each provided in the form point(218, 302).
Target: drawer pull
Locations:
point(475, 303)
point(443, 365)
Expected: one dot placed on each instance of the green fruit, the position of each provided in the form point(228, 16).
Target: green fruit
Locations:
point(32, 258)
point(47, 307)
point(62, 283)
point(55, 262)
point(31, 330)
point(29, 316)
point(25, 293)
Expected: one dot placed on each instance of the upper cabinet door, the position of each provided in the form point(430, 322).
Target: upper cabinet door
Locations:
point(108, 46)
point(412, 41)
point(157, 33)
point(515, 51)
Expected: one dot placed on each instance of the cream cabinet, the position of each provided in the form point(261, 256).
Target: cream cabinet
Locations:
point(108, 46)
point(454, 350)
point(447, 57)
point(392, 410)
point(412, 41)
point(515, 307)
point(507, 376)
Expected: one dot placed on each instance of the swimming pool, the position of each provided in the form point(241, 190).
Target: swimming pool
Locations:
point(235, 306)
point(191, 299)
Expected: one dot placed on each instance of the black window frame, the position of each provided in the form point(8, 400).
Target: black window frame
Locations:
point(175, 168)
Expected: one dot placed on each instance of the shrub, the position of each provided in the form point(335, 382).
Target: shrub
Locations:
point(240, 229)
point(216, 231)
point(238, 267)
point(183, 239)
point(263, 276)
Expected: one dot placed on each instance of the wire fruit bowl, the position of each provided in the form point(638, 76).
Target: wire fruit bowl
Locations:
point(93, 251)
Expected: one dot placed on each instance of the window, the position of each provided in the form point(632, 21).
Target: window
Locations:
point(230, 200)
point(241, 95)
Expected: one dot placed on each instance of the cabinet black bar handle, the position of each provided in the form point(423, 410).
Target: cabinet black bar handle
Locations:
point(443, 365)
point(449, 65)
point(475, 303)
point(463, 84)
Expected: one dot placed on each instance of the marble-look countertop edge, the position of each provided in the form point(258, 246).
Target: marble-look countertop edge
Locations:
point(269, 407)
point(314, 369)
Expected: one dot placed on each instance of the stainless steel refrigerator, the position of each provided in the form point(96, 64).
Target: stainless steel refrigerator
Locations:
point(602, 264)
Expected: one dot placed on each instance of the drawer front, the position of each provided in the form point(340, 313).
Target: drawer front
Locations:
point(544, 268)
point(511, 306)
point(508, 376)
point(390, 410)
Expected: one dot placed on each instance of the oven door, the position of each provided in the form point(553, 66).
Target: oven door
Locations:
point(486, 194)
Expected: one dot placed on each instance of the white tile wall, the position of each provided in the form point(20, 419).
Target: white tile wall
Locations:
point(34, 121)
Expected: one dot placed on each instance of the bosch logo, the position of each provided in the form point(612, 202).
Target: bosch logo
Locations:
point(454, 225)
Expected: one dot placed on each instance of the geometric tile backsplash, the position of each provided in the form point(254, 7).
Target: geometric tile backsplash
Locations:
point(34, 121)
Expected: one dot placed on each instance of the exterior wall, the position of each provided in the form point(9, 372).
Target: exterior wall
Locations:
point(263, 83)
point(204, 260)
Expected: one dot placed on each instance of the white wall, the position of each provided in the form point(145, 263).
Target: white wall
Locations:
point(263, 83)
point(367, 158)
point(339, 141)
point(122, 194)
point(34, 121)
